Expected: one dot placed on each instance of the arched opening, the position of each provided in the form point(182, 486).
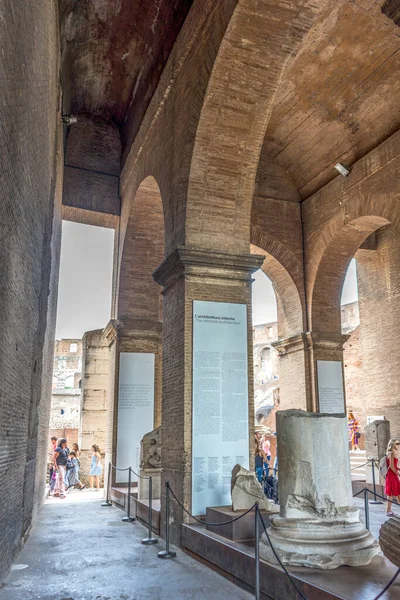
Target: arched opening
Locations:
point(277, 320)
point(356, 289)
point(143, 250)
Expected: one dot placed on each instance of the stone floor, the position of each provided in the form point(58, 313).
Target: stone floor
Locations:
point(81, 551)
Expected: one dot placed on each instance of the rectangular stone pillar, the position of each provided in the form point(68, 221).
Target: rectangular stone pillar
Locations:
point(327, 372)
point(189, 275)
point(133, 336)
point(93, 421)
point(295, 388)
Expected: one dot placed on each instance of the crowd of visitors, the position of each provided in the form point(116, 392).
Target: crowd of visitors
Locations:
point(65, 465)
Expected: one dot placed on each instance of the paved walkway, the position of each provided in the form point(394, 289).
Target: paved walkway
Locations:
point(81, 551)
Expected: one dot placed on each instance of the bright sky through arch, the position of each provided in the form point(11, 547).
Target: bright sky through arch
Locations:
point(264, 300)
point(85, 284)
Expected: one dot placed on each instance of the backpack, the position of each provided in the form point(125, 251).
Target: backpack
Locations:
point(383, 466)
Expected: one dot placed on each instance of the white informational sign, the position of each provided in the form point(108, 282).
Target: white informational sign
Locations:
point(371, 419)
point(220, 401)
point(330, 386)
point(135, 408)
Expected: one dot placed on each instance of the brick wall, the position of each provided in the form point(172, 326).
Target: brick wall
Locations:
point(29, 246)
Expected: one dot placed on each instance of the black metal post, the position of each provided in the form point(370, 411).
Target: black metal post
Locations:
point(128, 518)
point(374, 501)
point(107, 500)
point(366, 507)
point(257, 516)
point(166, 553)
point(150, 540)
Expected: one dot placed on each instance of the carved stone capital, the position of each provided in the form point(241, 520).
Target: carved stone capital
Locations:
point(295, 343)
point(202, 263)
point(326, 341)
point(143, 329)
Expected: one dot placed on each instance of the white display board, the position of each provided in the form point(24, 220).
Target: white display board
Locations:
point(135, 408)
point(330, 386)
point(220, 401)
point(372, 418)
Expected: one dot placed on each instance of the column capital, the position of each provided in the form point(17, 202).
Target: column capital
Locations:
point(203, 263)
point(326, 341)
point(110, 331)
point(294, 343)
point(132, 329)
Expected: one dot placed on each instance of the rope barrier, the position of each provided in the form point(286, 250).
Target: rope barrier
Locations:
point(205, 522)
point(391, 582)
point(376, 494)
point(279, 560)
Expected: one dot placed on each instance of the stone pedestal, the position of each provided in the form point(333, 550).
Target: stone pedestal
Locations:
point(238, 531)
point(143, 484)
point(318, 525)
point(377, 436)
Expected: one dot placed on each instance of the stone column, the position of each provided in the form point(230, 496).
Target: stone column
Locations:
point(294, 370)
point(188, 275)
point(318, 525)
point(93, 416)
point(143, 336)
point(378, 274)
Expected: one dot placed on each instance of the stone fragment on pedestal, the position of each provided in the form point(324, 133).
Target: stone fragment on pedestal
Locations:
point(318, 525)
point(246, 490)
point(150, 464)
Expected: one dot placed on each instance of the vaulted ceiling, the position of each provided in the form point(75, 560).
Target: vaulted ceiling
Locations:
point(339, 97)
point(113, 53)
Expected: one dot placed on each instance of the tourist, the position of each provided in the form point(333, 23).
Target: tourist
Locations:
point(60, 457)
point(72, 471)
point(392, 486)
point(75, 448)
point(266, 446)
point(259, 459)
point(95, 468)
point(354, 433)
point(52, 473)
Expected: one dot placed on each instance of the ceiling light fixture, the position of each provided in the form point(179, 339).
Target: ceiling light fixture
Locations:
point(345, 171)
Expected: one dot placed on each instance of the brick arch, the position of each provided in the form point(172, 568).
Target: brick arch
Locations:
point(278, 265)
point(234, 118)
point(142, 250)
point(337, 246)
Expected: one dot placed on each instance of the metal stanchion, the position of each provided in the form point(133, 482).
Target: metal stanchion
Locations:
point(257, 516)
point(107, 500)
point(374, 501)
point(150, 539)
point(128, 518)
point(366, 506)
point(166, 553)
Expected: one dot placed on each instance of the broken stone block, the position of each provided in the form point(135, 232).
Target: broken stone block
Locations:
point(318, 525)
point(246, 490)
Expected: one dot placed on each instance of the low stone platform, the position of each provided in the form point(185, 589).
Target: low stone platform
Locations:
point(139, 508)
point(239, 531)
point(142, 513)
point(235, 561)
point(119, 496)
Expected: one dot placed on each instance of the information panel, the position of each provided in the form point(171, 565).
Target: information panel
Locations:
point(135, 408)
point(220, 401)
point(330, 386)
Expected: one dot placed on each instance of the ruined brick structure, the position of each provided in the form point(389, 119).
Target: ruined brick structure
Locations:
point(207, 134)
